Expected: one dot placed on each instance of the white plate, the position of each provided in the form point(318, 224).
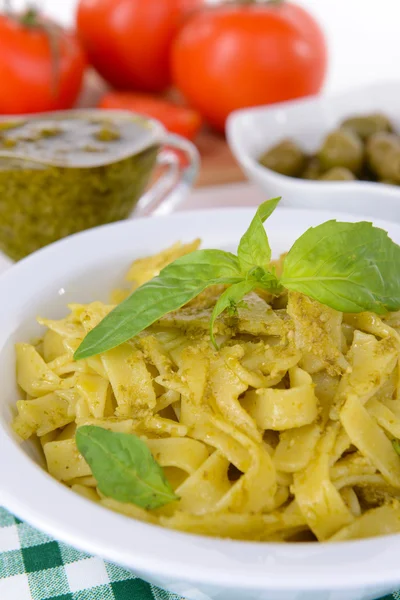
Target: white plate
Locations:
point(85, 267)
point(252, 131)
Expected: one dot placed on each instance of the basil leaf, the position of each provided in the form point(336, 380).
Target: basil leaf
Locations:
point(179, 282)
point(254, 249)
point(266, 280)
point(124, 467)
point(230, 297)
point(351, 267)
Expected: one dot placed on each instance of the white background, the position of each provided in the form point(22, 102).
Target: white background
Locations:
point(363, 36)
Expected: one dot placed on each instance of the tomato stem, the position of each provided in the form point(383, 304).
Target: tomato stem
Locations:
point(29, 18)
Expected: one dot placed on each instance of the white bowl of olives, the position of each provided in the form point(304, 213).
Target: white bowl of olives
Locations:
point(335, 153)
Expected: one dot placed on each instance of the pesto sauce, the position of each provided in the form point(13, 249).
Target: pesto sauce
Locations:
point(61, 177)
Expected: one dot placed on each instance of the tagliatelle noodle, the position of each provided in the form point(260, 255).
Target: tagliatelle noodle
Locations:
point(283, 433)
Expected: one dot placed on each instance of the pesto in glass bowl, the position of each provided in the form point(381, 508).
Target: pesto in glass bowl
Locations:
point(65, 172)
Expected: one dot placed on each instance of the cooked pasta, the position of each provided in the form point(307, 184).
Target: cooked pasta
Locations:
point(283, 434)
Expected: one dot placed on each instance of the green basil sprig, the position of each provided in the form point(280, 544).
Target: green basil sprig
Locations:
point(351, 267)
point(230, 298)
point(179, 282)
point(124, 467)
point(254, 249)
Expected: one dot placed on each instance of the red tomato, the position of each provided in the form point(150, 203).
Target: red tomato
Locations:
point(34, 76)
point(128, 41)
point(232, 57)
point(177, 119)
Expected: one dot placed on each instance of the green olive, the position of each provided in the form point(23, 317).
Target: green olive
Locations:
point(286, 158)
point(313, 169)
point(338, 174)
point(341, 148)
point(367, 125)
point(383, 155)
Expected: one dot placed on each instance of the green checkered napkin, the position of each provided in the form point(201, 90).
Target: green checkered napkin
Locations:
point(33, 566)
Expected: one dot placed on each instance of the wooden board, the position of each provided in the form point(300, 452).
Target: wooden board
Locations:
point(217, 163)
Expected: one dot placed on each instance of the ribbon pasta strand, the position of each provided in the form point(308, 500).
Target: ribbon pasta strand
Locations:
point(285, 433)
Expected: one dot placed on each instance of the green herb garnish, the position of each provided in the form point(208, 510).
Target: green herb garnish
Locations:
point(179, 282)
point(124, 467)
point(107, 134)
point(254, 250)
point(351, 267)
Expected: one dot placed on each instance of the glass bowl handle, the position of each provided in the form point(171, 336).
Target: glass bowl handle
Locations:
point(180, 161)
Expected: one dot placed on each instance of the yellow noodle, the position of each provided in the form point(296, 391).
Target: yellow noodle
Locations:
point(282, 434)
point(320, 503)
point(378, 521)
point(284, 409)
point(365, 433)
